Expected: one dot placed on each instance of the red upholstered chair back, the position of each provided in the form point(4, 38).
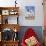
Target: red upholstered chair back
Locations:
point(29, 33)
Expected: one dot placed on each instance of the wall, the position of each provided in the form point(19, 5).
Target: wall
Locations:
point(7, 3)
point(38, 21)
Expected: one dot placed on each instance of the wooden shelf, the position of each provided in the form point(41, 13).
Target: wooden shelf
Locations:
point(5, 8)
point(5, 25)
point(10, 26)
point(4, 13)
point(9, 43)
point(12, 43)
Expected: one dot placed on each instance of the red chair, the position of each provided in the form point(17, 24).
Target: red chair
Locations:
point(29, 33)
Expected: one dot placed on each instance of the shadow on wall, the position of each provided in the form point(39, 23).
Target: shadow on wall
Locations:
point(37, 29)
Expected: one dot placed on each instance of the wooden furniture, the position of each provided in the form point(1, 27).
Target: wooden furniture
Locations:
point(10, 43)
point(5, 13)
point(11, 26)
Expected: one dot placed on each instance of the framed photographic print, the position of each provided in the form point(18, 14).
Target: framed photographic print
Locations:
point(5, 12)
point(13, 12)
point(30, 11)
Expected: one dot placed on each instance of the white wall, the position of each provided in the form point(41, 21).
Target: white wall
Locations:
point(7, 3)
point(38, 21)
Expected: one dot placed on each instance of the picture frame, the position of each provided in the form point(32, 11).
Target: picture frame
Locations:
point(5, 12)
point(30, 11)
point(12, 12)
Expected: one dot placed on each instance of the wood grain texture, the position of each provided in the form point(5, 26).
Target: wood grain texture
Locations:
point(10, 26)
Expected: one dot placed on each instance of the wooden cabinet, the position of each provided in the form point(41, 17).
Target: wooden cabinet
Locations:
point(7, 25)
point(10, 43)
point(7, 13)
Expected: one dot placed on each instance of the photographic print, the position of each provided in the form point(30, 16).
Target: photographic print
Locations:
point(30, 11)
